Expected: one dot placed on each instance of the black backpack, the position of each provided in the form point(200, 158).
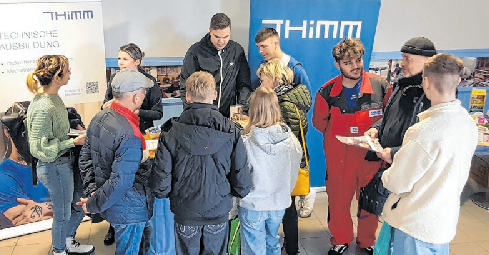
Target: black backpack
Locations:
point(15, 120)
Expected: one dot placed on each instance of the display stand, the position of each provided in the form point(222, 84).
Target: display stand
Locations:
point(481, 199)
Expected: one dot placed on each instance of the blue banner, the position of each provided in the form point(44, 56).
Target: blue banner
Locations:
point(308, 31)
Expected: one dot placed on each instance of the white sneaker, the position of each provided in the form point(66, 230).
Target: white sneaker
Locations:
point(59, 253)
point(307, 204)
point(73, 247)
point(299, 203)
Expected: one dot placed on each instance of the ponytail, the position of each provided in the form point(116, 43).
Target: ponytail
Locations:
point(32, 84)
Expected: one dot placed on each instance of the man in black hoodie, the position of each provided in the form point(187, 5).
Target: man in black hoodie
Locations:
point(407, 100)
point(224, 59)
point(200, 164)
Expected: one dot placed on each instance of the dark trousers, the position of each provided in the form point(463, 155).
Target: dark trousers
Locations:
point(290, 224)
point(206, 239)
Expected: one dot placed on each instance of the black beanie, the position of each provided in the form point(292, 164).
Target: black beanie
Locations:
point(419, 46)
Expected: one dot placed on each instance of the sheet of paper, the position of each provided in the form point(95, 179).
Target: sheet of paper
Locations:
point(361, 141)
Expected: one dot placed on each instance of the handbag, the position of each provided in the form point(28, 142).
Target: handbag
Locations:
point(373, 196)
point(303, 182)
point(234, 245)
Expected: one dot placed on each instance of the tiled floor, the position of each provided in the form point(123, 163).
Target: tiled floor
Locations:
point(472, 233)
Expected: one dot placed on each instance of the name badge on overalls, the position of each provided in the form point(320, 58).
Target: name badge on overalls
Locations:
point(375, 113)
point(354, 130)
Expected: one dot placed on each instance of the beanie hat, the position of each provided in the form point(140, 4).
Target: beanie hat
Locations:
point(419, 46)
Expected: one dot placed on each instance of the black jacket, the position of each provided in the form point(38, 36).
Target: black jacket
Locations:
point(236, 85)
point(200, 164)
point(401, 112)
point(110, 166)
point(151, 109)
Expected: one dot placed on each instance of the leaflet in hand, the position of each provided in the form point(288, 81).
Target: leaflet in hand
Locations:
point(76, 132)
point(361, 141)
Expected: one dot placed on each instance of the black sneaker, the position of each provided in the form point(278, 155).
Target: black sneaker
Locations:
point(368, 250)
point(338, 249)
point(110, 236)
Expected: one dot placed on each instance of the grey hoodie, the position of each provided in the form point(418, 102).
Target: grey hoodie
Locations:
point(274, 156)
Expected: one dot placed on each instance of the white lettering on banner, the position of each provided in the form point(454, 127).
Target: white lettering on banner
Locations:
point(71, 15)
point(351, 24)
point(277, 23)
point(375, 113)
point(354, 130)
point(288, 28)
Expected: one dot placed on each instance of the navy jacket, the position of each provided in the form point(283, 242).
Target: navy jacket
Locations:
point(200, 164)
point(110, 166)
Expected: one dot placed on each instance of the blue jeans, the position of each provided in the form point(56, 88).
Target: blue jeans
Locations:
point(402, 243)
point(128, 237)
point(259, 231)
point(206, 239)
point(57, 177)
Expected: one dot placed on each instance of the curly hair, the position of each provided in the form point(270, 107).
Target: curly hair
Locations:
point(48, 66)
point(348, 48)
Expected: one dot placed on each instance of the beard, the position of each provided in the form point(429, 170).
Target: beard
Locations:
point(351, 77)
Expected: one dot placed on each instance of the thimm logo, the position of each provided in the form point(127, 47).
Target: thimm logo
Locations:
point(70, 15)
point(316, 29)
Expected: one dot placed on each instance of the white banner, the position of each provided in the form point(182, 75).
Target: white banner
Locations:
point(29, 30)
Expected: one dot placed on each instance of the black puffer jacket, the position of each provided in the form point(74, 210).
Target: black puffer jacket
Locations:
point(236, 85)
point(202, 163)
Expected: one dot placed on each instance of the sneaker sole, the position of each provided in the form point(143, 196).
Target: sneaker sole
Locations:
point(81, 253)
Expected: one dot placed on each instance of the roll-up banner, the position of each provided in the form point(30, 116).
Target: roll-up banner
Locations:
point(308, 31)
point(28, 30)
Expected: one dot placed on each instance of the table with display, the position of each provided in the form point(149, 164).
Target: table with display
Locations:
point(481, 199)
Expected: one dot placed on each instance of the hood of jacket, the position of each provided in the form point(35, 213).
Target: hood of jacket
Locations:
point(198, 132)
point(269, 138)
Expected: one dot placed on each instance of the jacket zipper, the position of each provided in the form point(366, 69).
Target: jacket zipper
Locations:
point(220, 83)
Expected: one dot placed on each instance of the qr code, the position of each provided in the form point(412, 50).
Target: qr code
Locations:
point(92, 87)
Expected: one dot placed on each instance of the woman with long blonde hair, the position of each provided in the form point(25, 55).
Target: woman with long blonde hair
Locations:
point(48, 127)
point(274, 156)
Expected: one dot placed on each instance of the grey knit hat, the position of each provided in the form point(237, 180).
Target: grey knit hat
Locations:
point(419, 46)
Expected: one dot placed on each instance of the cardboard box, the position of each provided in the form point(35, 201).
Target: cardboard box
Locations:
point(479, 170)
